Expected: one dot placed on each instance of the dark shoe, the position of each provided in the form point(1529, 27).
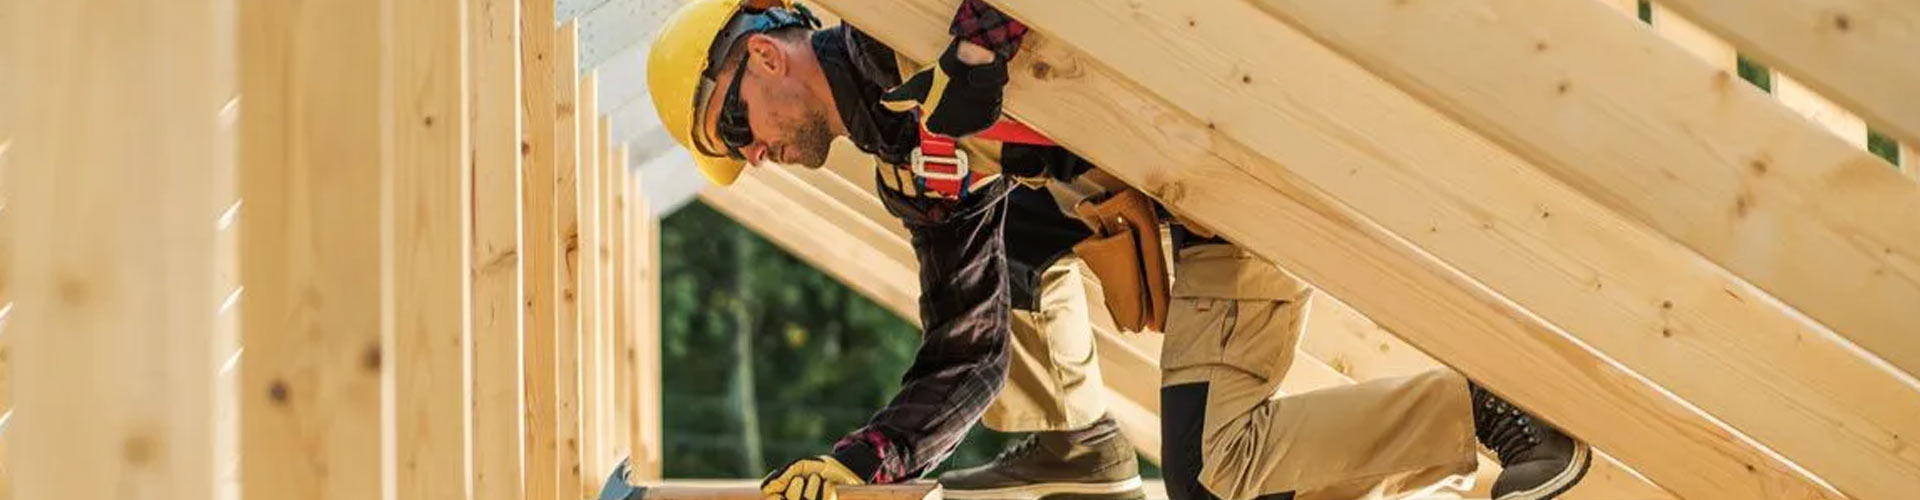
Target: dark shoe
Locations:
point(1537, 461)
point(1092, 464)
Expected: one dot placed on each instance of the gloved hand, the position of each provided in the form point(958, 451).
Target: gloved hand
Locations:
point(808, 479)
point(956, 99)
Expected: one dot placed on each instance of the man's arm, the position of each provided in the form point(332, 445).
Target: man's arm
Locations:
point(962, 362)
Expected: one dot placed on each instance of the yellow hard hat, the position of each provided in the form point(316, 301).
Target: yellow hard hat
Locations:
point(681, 57)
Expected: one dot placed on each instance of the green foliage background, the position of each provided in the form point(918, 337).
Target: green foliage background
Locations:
point(822, 357)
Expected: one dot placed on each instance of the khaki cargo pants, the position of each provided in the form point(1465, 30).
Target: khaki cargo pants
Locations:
point(1054, 381)
point(1234, 325)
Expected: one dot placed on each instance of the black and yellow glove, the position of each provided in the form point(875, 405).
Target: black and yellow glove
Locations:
point(808, 479)
point(955, 99)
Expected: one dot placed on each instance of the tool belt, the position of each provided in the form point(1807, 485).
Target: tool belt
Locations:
point(1126, 254)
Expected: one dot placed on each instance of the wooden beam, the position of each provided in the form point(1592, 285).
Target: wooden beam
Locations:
point(591, 441)
point(1848, 50)
point(1716, 52)
point(432, 190)
point(1642, 128)
point(569, 141)
point(1720, 54)
point(923, 490)
point(1177, 157)
point(113, 183)
point(649, 464)
point(540, 244)
point(1842, 123)
point(610, 437)
point(311, 161)
point(498, 410)
point(624, 355)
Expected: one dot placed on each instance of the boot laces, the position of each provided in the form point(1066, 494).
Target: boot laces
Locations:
point(1019, 449)
point(1503, 428)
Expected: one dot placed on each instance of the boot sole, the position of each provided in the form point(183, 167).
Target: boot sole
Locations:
point(1576, 469)
point(1118, 490)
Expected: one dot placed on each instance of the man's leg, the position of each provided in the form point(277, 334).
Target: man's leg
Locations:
point(1231, 335)
point(1054, 391)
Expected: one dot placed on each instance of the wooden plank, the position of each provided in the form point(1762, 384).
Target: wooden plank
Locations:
point(589, 274)
point(1639, 271)
point(540, 245)
point(568, 146)
point(1716, 52)
point(1642, 128)
point(1847, 50)
point(311, 160)
point(652, 446)
point(109, 358)
point(1842, 123)
point(431, 263)
point(1173, 156)
point(679, 490)
point(624, 412)
point(610, 439)
point(498, 411)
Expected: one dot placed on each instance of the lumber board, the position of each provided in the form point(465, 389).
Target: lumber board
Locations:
point(1817, 374)
point(591, 168)
point(109, 358)
point(539, 246)
point(1849, 50)
point(649, 466)
point(311, 158)
point(493, 42)
point(1538, 247)
point(1695, 40)
point(1720, 54)
point(1798, 97)
point(609, 404)
point(6, 279)
point(924, 490)
point(1175, 157)
point(624, 374)
point(568, 145)
point(1625, 118)
point(431, 224)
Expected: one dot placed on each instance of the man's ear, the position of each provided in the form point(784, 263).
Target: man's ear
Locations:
point(767, 54)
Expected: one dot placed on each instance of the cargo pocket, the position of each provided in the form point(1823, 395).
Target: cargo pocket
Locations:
point(1232, 309)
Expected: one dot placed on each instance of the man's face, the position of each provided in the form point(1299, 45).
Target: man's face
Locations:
point(789, 126)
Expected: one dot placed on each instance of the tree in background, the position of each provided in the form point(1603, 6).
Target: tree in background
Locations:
point(754, 338)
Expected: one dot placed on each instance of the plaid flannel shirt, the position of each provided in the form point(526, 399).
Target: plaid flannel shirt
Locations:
point(982, 24)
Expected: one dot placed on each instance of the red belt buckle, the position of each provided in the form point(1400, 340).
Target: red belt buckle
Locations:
point(946, 175)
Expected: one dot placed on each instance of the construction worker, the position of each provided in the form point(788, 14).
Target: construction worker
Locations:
point(758, 84)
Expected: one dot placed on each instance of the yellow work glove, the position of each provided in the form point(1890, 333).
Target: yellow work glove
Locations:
point(956, 99)
point(808, 479)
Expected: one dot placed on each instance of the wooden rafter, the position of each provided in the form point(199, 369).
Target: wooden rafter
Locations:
point(1177, 158)
point(1854, 51)
point(568, 169)
point(1633, 122)
point(541, 258)
point(493, 41)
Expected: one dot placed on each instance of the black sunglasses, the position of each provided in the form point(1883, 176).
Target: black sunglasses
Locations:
point(733, 128)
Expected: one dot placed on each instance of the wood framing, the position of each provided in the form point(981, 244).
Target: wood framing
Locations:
point(1176, 156)
point(1849, 50)
point(649, 451)
point(539, 244)
point(591, 348)
point(110, 359)
point(610, 437)
point(1626, 119)
point(493, 38)
point(310, 161)
point(624, 413)
point(569, 139)
point(431, 190)
point(1720, 54)
point(1494, 217)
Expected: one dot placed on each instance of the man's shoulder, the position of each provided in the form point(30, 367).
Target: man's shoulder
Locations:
point(871, 57)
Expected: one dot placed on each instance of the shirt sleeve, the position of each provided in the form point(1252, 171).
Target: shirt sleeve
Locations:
point(982, 24)
point(962, 361)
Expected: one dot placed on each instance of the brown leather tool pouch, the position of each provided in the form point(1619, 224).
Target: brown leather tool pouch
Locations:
point(1126, 254)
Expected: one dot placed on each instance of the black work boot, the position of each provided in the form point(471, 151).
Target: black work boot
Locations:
point(1090, 464)
point(1537, 461)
